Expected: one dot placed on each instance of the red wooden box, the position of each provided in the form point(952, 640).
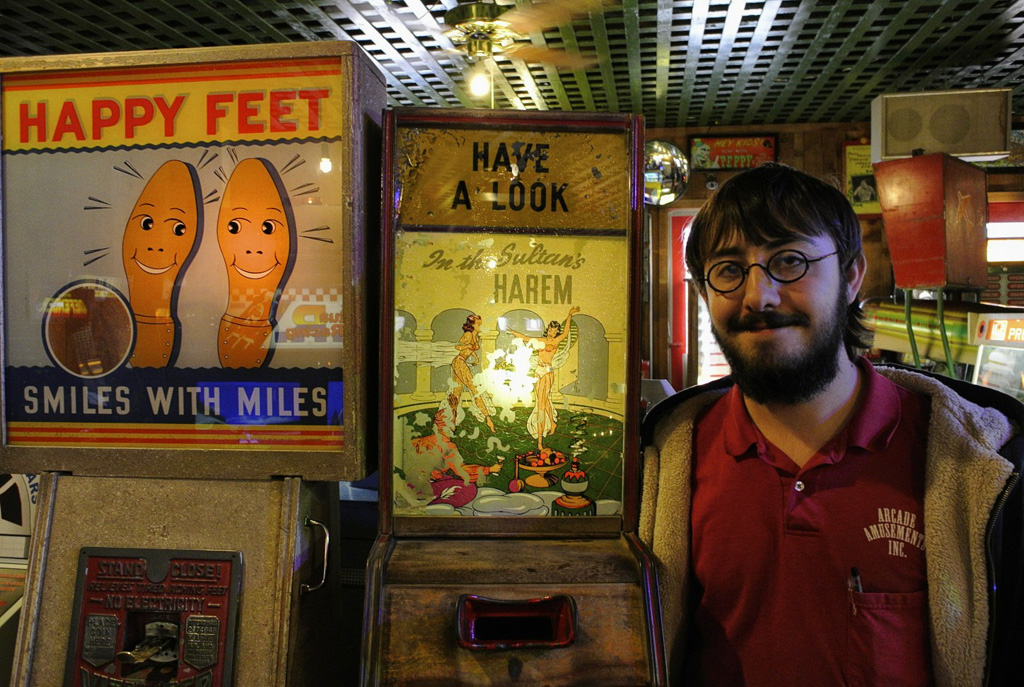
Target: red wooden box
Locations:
point(935, 209)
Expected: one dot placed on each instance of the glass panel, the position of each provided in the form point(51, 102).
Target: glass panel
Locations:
point(1001, 368)
point(511, 283)
point(174, 261)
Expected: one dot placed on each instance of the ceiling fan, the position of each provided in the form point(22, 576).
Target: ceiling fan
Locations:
point(480, 30)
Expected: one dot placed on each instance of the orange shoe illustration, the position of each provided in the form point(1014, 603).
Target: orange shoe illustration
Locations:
point(256, 235)
point(160, 240)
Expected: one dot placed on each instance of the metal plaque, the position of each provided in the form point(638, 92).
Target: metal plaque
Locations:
point(154, 617)
point(202, 633)
point(99, 640)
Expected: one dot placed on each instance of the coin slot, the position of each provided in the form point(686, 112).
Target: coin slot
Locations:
point(548, 622)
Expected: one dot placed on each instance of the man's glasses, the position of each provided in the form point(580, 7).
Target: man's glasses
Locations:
point(784, 267)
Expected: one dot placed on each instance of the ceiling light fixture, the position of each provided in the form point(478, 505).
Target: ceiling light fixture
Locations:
point(479, 80)
point(478, 30)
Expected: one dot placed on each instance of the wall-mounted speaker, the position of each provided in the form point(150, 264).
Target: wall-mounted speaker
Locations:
point(971, 124)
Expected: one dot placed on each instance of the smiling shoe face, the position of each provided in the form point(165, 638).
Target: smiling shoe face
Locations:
point(253, 229)
point(160, 237)
point(256, 236)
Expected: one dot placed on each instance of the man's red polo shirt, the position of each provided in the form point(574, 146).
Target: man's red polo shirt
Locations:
point(774, 546)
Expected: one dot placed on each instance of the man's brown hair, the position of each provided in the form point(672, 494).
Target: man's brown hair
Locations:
point(775, 201)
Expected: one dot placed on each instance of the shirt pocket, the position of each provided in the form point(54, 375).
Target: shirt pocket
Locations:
point(888, 641)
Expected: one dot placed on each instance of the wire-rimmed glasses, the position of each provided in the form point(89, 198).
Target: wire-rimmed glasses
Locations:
point(785, 267)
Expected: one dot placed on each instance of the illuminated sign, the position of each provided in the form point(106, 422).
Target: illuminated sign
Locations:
point(175, 256)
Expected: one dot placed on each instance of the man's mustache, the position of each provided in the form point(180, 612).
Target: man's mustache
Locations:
point(769, 319)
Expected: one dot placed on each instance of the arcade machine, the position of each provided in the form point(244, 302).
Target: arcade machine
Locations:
point(959, 326)
point(935, 207)
point(507, 551)
point(184, 344)
point(1000, 341)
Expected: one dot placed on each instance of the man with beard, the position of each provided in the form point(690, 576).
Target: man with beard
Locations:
point(818, 520)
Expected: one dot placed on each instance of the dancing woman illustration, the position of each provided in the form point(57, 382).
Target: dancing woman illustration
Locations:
point(551, 352)
point(462, 376)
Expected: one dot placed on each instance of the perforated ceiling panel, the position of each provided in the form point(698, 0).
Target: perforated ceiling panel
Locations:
point(679, 63)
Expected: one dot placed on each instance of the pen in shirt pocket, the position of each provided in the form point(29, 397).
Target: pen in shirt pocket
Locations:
point(854, 585)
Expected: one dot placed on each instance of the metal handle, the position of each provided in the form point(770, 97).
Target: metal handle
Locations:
point(306, 588)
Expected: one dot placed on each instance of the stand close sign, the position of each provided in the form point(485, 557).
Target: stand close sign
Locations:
point(148, 616)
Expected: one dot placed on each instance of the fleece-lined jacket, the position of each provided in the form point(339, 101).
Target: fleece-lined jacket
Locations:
point(973, 524)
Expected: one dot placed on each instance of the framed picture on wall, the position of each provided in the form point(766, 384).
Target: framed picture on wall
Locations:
point(732, 152)
point(859, 175)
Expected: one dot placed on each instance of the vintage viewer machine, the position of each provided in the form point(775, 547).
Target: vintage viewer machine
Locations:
point(507, 551)
point(187, 291)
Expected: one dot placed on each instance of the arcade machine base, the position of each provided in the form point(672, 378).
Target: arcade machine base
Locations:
point(435, 631)
point(263, 521)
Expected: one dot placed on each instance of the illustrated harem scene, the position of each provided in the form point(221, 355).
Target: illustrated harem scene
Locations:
point(513, 414)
